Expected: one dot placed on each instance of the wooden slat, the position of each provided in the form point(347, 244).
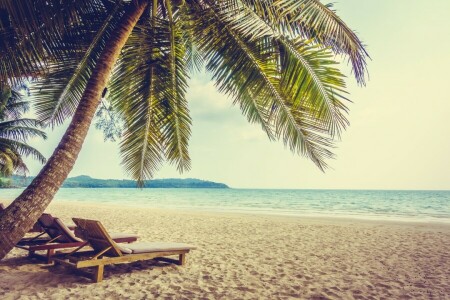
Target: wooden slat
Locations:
point(127, 258)
point(53, 246)
point(35, 238)
point(168, 260)
point(65, 262)
point(27, 243)
point(98, 237)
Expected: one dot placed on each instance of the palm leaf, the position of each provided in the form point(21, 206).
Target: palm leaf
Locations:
point(22, 149)
point(176, 123)
point(10, 162)
point(309, 19)
point(140, 78)
point(57, 96)
point(254, 73)
point(317, 21)
point(227, 61)
point(32, 33)
point(306, 76)
point(310, 80)
point(21, 129)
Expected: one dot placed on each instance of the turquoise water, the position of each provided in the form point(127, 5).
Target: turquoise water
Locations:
point(422, 206)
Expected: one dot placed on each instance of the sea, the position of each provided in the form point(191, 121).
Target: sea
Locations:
point(409, 206)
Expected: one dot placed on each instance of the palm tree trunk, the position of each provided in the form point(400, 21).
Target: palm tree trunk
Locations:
point(20, 216)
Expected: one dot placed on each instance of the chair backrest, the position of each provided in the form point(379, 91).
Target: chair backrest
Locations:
point(2, 207)
point(97, 236)
point(55, 228)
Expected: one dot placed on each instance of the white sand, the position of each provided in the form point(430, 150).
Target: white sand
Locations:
point(243, 256)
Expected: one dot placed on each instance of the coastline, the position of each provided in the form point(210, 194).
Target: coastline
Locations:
point(250, 256)
point(310, 218)
point(384, 206)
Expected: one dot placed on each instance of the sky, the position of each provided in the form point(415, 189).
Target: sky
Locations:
point(399, 137)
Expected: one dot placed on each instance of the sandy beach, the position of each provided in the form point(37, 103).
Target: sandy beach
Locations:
point(242, 256)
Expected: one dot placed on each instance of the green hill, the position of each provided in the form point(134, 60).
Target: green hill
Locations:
point(84, 181)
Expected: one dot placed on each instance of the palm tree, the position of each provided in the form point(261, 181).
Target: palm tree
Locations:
point(275, 59)
point(14, 133)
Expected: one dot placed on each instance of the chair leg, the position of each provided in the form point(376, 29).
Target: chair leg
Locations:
point(30, 253)
point(98, 273)
point(50, 253)
point(182, 259)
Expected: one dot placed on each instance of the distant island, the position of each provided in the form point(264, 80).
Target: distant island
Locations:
point(84, 181)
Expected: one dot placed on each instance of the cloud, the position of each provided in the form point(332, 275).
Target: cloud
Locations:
point(205, 102)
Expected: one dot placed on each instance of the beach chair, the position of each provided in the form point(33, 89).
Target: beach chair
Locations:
point(45, 221)
point(60, 237)
point(108, 252)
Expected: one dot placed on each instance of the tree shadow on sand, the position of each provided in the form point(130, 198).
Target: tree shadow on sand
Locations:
point(25, 272)
point(111, 271)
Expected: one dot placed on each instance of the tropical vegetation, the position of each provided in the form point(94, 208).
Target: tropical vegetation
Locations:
point(14, 133)
point(84, 181)
point(276, 59)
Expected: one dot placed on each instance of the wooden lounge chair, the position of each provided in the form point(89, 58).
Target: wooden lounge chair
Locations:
point(60, 237)
point(43, 227)
point(106, 251)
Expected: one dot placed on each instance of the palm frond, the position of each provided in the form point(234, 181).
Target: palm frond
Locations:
point(286, 90)
point(22, 148)
point(56, 97)
point(11, 162)
point(310, 80)
point(229, 62)
point(193, 57)
point(21, 129)
point(31, 34)
point(176, 122)
point(139, 78)
point(315, 20)
point(15, 131)
point(306, 68)
point(309, 19)
point(12, 104)
point(243, 19)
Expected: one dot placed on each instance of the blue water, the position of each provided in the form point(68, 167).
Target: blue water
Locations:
point(421, 206)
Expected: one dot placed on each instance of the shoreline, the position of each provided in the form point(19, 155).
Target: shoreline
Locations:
point(249, 213)
point(445, 222)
